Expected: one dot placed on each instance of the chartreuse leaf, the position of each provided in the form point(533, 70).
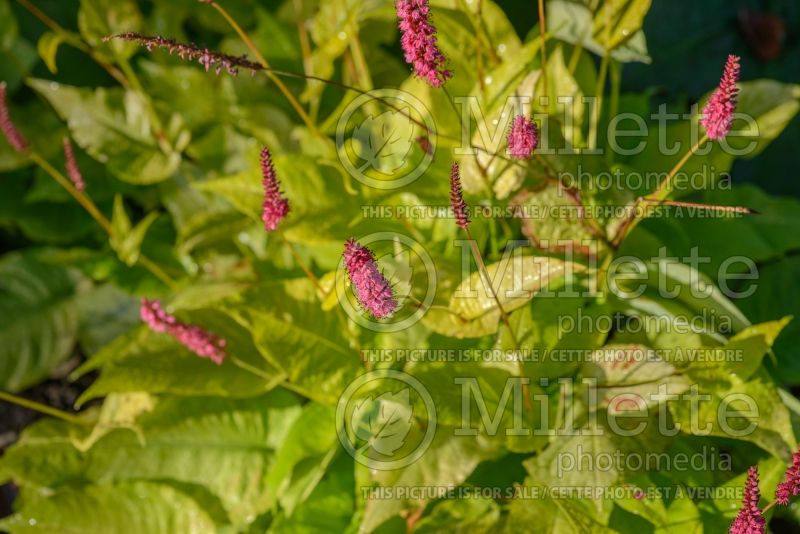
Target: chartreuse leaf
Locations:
point(615, 23)
point(124, 508)
point(112, 126)
point(627, 373)
point(303, 457)
point(100, 18)
point(296, 336)
point(620, 27)
point(48, 49)
point(224, 446)
point(448, 462)
point(38, 318)
point(473, 311)
point(745, 350)
point(127, 241)
point(720, 403)
point(478, 515)
point(545, 515)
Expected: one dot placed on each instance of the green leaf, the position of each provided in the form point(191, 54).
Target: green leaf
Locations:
point(303, 458)
point(112, 126)
point(100, 18)
point(295, 335)
point(720, 390)
point(618, 22)
point(130, 507)
point(48, 49)
point(574, 22)
point(626, 374)
point(224, 446)
point(38, 318)
point(478, 515)
point(515, 280)
point(127, 241)
point(746, 349)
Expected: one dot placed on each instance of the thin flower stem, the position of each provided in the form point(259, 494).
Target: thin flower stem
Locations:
point(80, 196)
point(69, 38)
point(488, 283)
point(261, 59)
point(542, 32)
point(598, 106)
point(658, 196)
point(303, 265)
point(83, 199)
point(661, 192)
point(44, 409)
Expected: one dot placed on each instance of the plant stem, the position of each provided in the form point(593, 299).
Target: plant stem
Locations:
point(70, 39)
point(90, 207)
point(542, 32)
point(488, 283)
point(598, 95)
point(303, 265)
point(261, 59)
point(43, 409)
point(658, 196)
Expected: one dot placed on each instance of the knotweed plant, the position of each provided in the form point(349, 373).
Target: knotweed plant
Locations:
point(417, 273)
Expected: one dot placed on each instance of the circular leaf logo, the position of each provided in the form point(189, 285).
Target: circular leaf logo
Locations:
point(378, 148)
point(386, 419)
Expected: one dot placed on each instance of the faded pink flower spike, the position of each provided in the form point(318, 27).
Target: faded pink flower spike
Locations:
point(750, 519)
point(193, 337)
point(790, 487)
point(460, 210)
point(718, 113)
point(419, 41)
point(14, 138)
point(372, 289)
point(205, 56)
point(73, 171)
point(275, 206)
point(523, 138)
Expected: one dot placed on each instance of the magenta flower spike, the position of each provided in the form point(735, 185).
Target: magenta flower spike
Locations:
point(73, 171)
point(718, 113)
point(460, 210)
point(419, 41)
point(750, 520)
point(275, 206)
point(523, 138)
point(372, 289)
point(14, 138)
point(790, 487)
point(196, 339)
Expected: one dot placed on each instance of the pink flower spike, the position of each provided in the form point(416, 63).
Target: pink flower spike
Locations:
point(14, 138)
point(750, 520)
point(790, 487)
point(523, 137)
point(275, 206)
point(718, 113)
point(193, 337)
point(373, 290)
point(73, 171)
point(419, 41)
point(460, 210)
